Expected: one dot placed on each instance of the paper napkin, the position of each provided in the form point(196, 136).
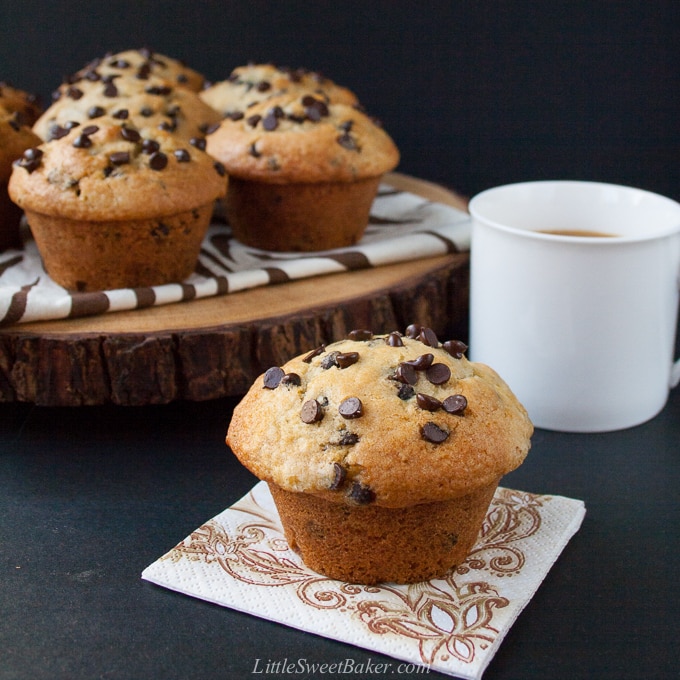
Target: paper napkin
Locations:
point(240, 559)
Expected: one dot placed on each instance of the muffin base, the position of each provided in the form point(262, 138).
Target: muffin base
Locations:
point(299, 217)
point(87, 256)
point(369, 544)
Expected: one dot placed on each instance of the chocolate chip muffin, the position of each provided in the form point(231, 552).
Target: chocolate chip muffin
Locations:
point(142, 103)
point(114, 207)
point(382, 452)
point(253, 83)
point(15, 138)
point(303, 172)
point(140, 64)
point(25, 104)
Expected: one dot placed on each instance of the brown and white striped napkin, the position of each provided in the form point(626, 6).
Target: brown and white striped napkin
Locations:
point(402, 226)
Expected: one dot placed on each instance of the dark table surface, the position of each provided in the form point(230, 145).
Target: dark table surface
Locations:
point(89, 497)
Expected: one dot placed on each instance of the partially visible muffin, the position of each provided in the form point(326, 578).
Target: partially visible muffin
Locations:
point(111, 206)
point(15, 138)
point(148, 102)
point(382, 452)
point(140, 64)
point(25, 104)
point(250, 84)
point(303, 172)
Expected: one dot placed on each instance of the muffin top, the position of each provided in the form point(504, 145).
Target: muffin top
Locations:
point(110, 170)
point(394, 420)
point(15, 138)
point(301, 138)
point(25, 104)
point(151, 102)
point(140, 64)
point(253, 83)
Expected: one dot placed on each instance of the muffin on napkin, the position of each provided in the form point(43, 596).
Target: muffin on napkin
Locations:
point(111, 206)
point(382, 452)
point(303, 172)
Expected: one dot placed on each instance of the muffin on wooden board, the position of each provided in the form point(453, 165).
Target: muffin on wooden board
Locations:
point(148, 102)
point(15, 138)
point(250, 84)
point(382, 452)
point(303, 172)
point(25, 104)
point(111, 206)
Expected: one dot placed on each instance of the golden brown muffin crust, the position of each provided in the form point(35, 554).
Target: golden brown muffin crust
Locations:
point(414, 436)
point(250, 84)
point(151, 102)
point(111, 171)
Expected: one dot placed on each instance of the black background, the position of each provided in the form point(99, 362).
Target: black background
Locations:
point(474, 93)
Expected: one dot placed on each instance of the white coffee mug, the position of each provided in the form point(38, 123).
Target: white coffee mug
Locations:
point(582, 328)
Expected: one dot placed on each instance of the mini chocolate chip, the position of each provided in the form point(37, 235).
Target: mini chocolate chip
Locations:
point(360, 335)
point(329, 360)
point(311, 412)
point(30, 159)
point(158, 160)
point(89, 129)
point(394, 340)
point(182, 155)
point(431, 432)
point(74, 93)
point(121, 114)
point(349, 439)
point(220, 169)
point(422, 363)
point(263, 86)
point(129, 134)
point(351, 408)
point(345, 359)
point(339, 476)
point(253, 151)
point(456, 348)
point(347, 142)
point(272, 377)
point(198, 142)
point(428, 337)
point(82, 142)
point(146, 111)
point(427, 402)
point(413, 330)
point(314, 353)
point(253, 120)
point(119, 157)
point(235, 115)
point(455, 404)
point(405, 392)
point(110, 90)
point(95, 112)
point(57, 132)
point(438, 374)
point(361, 494)
point(209, 128)
point(150, 146)
point(270, 122)
point(405, 373)
point(160, 90)
point(291, 379)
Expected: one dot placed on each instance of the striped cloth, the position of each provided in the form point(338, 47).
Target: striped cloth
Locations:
point(402, 226)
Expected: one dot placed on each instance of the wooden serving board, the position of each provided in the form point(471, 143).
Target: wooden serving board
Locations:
point(216, 347)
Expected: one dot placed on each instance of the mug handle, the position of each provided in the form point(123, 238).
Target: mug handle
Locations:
point(675, 374)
